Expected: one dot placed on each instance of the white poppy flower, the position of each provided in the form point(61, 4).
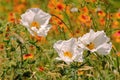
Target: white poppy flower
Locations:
point(95, 42)
point(68, 50)
point(36, 21)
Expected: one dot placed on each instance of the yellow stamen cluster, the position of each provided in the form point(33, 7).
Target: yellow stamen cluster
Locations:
point(91, 46)
point(35, 24)
point(68, 54)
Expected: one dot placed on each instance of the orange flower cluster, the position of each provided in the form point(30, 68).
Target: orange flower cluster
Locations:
point(56, 8)
point(84, 17)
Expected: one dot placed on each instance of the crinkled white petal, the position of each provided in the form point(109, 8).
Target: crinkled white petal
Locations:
point(62, 46)
point(39, 16)
point(26, 24)
point(104, 49)
point(98, 39)
point(78, 55)
point(28, 16)
point(87, 38)
point(42, 18)
point(31, 32)
point(65, 59)
point(70, 45)
point(35, 10)
point(34, 29)
point(44, 30)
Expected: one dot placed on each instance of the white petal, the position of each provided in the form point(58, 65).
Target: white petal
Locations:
point(44, 30)
point(87, 38)
point(31, 32)
point(42, 18)
point(28, 16)
point(35, 10)
point(34, 29)
point(66, 60)
point(104, 49)
point(37, 15)
point(81, 43)
point(26, 24)
point(70, 45)
point(100, 38)
point(78, 53)
point(57, 46)
point(63, 46)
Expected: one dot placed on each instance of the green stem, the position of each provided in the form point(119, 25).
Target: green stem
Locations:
point(62, 22)
point(88, 53)
point(117, 59)
point(74, 75)
point(68, 19)
point(21, 55)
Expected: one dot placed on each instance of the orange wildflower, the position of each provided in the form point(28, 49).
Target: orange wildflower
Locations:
point(60, 6)
point(84, 18)
point(101, 13)
point(117, 15)
point(115, 24)
point(85, 10)
point(27, 56)
point(56, 6)
point(116, 36)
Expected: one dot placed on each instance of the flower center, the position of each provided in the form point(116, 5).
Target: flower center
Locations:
point(68, 54)
point(91, 46)
point(35, 24)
